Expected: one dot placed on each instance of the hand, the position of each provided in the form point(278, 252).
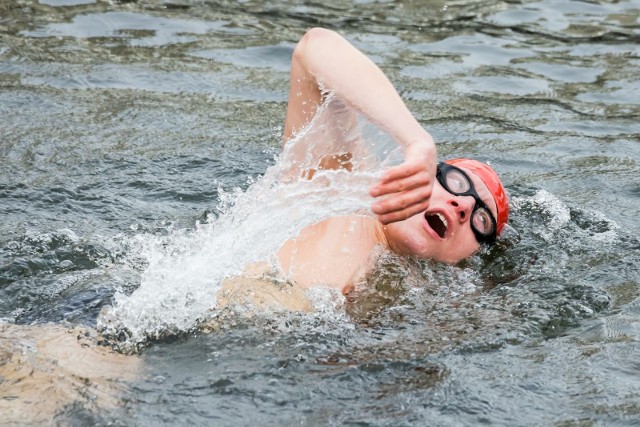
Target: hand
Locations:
point(408, 186)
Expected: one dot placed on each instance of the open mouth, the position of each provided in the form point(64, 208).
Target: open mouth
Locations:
point(437, 222)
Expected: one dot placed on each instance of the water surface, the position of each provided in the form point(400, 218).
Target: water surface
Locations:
point(126, 124)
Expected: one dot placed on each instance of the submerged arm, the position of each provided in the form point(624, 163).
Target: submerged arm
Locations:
point(323, 59)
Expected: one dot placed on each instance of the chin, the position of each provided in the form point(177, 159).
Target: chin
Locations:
point(451, 260)
point(454, 258)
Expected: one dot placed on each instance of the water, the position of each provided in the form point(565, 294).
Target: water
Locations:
point(124, 125)
point(184, 271)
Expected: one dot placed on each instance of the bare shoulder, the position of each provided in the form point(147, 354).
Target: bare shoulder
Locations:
point(333, 253)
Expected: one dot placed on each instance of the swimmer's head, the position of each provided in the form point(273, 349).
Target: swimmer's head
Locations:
point(490, 178)
point(468, 208)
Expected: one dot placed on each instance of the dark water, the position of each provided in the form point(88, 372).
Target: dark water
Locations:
point(122, 119)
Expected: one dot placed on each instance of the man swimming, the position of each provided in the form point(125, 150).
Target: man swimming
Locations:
point(442, 211)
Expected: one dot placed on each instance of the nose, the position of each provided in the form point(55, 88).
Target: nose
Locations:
point(462, 206)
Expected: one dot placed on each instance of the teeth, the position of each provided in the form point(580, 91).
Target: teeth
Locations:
point(443, 219)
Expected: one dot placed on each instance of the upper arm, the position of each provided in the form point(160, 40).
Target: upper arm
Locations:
point(304, 95)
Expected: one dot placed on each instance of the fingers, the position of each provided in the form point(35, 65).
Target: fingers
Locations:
point(403, 205)
point(384, 187)
point(404, 170)
point(403, 214)
point(407, 187)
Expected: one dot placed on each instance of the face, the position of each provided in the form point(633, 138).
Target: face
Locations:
point(443, 232)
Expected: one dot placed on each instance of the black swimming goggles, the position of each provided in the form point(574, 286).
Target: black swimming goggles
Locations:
point(458, 183)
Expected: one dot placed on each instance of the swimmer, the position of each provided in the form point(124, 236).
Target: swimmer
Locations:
point(440, 211)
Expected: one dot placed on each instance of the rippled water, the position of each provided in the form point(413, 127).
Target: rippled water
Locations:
point(123, 121)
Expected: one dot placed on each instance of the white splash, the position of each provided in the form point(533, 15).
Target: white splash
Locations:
point(178, 288)
point(557, 210)
point(597, 226)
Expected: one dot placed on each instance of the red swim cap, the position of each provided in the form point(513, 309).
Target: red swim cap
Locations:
point(492, 181)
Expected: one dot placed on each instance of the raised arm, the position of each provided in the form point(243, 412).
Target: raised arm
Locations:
point(324, 60)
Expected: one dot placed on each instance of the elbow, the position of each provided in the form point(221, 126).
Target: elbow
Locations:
point(318, 34)
point(313, 40)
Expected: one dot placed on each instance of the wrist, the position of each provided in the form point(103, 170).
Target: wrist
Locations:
point(424, 142)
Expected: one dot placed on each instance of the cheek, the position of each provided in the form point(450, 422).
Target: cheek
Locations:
point(406, 237)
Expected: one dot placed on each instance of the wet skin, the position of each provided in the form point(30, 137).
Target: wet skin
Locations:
point(417, 237)
point(337, 252)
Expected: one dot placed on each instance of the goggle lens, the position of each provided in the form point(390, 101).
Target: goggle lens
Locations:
point(458, 183)
point(482, 221)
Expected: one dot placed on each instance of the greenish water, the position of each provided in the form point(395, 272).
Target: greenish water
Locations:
point(123, 123)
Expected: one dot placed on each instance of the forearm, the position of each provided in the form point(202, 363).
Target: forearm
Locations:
point(324, 57)
point(323, 60)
